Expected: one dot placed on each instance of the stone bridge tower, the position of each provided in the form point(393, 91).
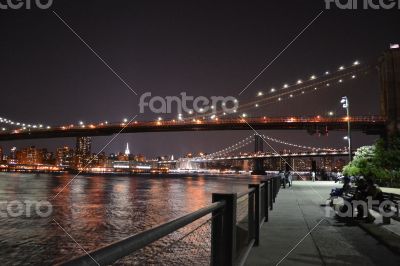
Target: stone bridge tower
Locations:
point(389, 70)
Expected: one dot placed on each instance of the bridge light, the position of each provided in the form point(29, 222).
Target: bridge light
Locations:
point(341, 67)
point(327, 73)
point(4, 129)
point(313, 77)
point(190, 112)
point(299, 81)
point(272, 90)
point(327, 84)
point(340, 80)
point(302, 92)
point(353, 77)
point(345, 137)
point(244, 115)
point(48, 127)
point(260, 93)
point(279, 99)
point(291, 95)
point(285, 86)
point(330, 113)
point(159, 119)
point(125, 120)
point(256, 105)
point(80, 122)
point(356, 63)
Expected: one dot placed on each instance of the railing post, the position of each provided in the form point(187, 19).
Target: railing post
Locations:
point(266, 199)
point(271, 193)
point(223, 231)
point(256, 210)
point(250, 216)
point(277, 186)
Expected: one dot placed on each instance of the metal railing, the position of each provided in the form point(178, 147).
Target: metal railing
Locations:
point(221, 233)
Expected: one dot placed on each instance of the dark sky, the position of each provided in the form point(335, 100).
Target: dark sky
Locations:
point(165, 47)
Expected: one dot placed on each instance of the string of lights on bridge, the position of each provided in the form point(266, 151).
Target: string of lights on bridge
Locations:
point(22, 125)
point(290, 91)
point(264, 98)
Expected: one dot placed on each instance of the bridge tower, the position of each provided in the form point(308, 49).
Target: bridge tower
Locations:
point(258, 163)
point(389, 70)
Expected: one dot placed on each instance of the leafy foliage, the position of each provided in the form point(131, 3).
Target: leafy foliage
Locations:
point(380, 161)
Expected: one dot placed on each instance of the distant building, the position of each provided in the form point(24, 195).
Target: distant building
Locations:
point(31, 156)
point(82, 151)
point(65, 157)
point(140, 158)
point(127, 152)
point(1, 154)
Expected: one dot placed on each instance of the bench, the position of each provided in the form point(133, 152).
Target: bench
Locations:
point(393, 198)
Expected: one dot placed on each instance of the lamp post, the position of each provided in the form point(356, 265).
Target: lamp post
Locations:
point(346, 105)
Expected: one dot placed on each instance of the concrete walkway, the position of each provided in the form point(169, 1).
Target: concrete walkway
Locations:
point(286, 238)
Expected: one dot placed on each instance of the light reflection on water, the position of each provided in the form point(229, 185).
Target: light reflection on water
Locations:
point(97, 210)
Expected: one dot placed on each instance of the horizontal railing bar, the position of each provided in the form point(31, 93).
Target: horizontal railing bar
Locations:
point(117, 250)
point(244, 193)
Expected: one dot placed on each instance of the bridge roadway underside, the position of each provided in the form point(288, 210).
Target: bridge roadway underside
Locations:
point(298, 211)
point(372, 128)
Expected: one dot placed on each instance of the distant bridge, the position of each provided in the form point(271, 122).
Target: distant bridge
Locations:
point(264, 156)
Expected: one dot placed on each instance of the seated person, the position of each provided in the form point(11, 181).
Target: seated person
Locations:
point(337, 192)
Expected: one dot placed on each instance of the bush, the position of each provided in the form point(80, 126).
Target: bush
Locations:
point(380, 162)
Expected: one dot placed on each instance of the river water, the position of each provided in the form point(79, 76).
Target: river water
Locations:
point(96, 210)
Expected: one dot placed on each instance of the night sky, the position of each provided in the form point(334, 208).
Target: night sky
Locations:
point(166, 47)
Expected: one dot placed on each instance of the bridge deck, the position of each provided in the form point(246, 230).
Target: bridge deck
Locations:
point(369, 125)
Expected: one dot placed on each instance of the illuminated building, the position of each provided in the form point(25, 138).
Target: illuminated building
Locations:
point(30, 156)
point(65, 157)
point(140, 158)
point(127, 152)
point(82, 151)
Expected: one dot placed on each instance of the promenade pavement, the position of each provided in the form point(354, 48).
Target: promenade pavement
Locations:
point(302, 231)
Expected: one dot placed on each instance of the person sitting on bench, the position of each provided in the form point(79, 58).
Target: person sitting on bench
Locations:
point(337, 192)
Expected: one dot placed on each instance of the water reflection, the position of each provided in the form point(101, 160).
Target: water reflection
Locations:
point(97, 210)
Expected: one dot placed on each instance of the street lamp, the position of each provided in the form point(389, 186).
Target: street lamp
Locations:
point(346, 104)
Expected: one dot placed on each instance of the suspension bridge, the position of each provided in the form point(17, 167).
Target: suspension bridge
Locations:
point(384, 124)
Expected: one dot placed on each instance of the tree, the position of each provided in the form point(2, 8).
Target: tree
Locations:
point(380, 162)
